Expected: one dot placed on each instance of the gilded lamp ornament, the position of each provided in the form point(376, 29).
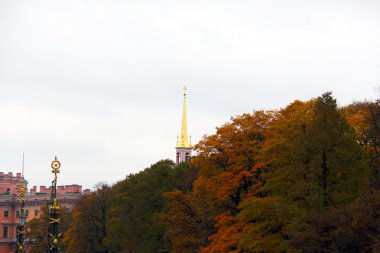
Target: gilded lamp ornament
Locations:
point(54, 210)
point(55, 165)
point(20, 233)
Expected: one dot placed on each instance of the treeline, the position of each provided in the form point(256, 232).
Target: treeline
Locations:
point(301, 179)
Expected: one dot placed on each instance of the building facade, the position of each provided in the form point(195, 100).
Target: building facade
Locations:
point(34, 199)
point(183, 147)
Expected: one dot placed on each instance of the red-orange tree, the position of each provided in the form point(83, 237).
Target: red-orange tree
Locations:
point(280, 132)
point(228, 168)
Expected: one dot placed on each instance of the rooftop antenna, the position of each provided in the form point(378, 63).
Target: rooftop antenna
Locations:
point(23, 162)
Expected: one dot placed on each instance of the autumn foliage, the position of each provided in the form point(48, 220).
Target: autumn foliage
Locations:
point(287, 181)
point(304, 178)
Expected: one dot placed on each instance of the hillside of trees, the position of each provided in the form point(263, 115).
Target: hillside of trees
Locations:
point(304, 178)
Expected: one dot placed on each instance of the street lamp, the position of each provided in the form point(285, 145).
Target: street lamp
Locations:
point(54, 209)
point(21, 226)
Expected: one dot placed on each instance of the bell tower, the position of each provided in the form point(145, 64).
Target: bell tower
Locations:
point(183, 147)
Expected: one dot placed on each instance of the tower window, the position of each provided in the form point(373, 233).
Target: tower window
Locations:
point(6, 214)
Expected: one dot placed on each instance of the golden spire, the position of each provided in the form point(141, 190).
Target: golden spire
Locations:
point(183, 141)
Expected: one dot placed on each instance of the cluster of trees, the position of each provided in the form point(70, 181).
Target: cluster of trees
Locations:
point(301, 179)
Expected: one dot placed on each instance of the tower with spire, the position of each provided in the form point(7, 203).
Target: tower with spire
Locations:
point(183, 148)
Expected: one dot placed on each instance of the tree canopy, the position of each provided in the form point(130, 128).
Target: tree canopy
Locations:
point(304, 178)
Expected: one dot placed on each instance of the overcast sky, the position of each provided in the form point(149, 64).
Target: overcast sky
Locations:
point(99, 82)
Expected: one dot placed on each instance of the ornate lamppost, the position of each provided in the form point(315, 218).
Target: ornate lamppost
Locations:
point(21, 226)
point(54, 209)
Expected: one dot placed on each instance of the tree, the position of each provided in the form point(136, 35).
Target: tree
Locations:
point(365, 119)
point(186, 222)
point(88, 231)
point(269, 215)
point(37, 230)
point(337, 168)
point(270, 221)
point(315, 169)
point(321, 163)
point(228, 168)
point(134, 217)
point(228, 160)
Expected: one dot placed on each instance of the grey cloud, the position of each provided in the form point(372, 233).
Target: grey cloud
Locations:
point(99, 82)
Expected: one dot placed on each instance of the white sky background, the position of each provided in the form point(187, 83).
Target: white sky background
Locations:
point(99, 83)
